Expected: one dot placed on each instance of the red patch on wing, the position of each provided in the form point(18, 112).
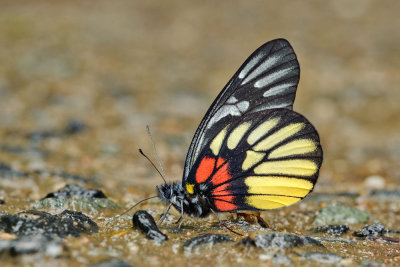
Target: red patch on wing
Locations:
point(223, 205)
point(220, 161)
point(222, 175)
point(221, 190)
point(205, 169)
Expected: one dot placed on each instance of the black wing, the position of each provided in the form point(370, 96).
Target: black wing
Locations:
point(267, 80)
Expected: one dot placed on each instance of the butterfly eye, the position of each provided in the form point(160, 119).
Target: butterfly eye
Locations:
point(168, 192)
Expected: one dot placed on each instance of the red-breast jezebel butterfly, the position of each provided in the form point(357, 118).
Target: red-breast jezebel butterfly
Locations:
point(251, 151)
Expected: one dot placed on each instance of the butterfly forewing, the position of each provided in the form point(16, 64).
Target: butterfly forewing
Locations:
point(267, 80)
point(262, 160)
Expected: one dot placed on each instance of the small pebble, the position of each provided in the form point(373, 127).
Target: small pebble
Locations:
point(76, 192)
point(334, 229)
point(338, 213)
point(205, 239)
point(375, 182)
point(143, 221)
point(376, 229)
point(284, 241)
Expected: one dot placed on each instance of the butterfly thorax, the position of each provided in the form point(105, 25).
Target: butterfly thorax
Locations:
point(195, 205)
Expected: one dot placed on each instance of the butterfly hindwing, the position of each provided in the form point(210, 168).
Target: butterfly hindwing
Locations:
point(262, 160)
point(267, 80)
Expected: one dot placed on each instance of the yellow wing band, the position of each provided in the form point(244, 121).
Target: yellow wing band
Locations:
point(293, 167)
point(252, 158)
point(279, 136)
point(216, 144)
point(296, 147)
point(237, 134)
point(265, 202)
point(261, 130)
point(276, 185)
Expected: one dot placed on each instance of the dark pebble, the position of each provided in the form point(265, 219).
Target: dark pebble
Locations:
point(2, 201)
point(327, 258)
point(74, 127)
point(32, 222)
point(334, 229)
point(143, 221)
point(32, 244)
point(376, 229)
point(284, 241)
point(212, 239)
point(76, 192)
point(7, 172)
point(112, 263)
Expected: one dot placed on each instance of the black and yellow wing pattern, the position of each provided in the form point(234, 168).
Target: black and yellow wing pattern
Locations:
point(251, 151)
point(264, 160)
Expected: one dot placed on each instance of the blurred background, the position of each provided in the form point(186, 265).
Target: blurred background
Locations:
point(80, 80)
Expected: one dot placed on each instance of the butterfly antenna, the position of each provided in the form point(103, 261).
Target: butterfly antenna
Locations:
point(155, 151)
point(155, 167)
point(130, 208)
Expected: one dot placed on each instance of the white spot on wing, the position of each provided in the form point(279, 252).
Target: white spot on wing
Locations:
point(243, 106)
point(277, 90)
point(250, 65)
point(226, 110)
point(269, 79)
point(231, 100)
point(267, 64)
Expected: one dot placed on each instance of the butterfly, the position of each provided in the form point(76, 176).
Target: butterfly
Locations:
point(251, 151)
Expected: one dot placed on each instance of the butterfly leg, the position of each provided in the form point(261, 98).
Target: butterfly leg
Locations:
point(162, 218)
point(181, 218)
point(224, 225)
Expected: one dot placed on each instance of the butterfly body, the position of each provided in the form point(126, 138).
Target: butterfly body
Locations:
point(251, 151)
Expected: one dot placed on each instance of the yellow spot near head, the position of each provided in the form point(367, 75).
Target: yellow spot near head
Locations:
point(217, 142)
point(296, 147)
point(261, 130)
point(277, 185)
point(265, 202)
point(252, 158)
point(294, 167)
point(237, 134)
point(279, 136)
point(189, 188)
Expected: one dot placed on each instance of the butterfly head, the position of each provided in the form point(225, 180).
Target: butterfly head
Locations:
point(168, 192)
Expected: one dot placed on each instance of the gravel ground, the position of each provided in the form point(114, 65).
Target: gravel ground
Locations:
point(80, 80)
